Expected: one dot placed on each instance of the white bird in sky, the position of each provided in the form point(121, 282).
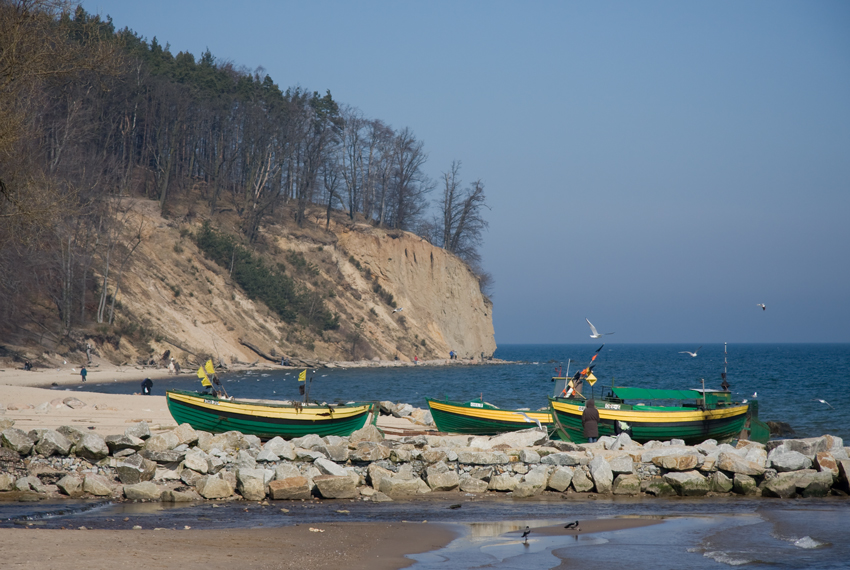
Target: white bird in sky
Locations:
point(763, 307)
point(530, 420)
point(397, 310)
point(823, 402)
point(594, 331)
point(694, 353)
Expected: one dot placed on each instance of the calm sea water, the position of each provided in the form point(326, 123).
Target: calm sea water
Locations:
point(787, 379)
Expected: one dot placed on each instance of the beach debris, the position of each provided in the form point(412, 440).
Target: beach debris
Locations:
point(455, 506)
point(316, 529)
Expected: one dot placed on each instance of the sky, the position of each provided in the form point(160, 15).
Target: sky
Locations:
point(657, 167)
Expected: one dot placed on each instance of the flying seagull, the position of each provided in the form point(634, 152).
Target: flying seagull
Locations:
point(761, 305)
point(398, 310)
point(525, 533)
point(572, 526)
point(530, 420)
point(823, 402)
point(594, 331)
point(694, 353)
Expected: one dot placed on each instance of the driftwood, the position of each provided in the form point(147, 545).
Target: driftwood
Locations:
point(259, 351)
point(174, 344)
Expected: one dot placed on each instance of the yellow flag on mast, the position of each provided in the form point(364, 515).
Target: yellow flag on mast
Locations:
point(210, 368)
point(205, 381)
point(302, 376)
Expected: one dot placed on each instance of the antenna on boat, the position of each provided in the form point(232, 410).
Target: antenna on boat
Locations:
point(724, 384)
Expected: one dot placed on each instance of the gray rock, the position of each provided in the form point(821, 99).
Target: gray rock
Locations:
point(310, 441)
point(784, 485)
point(145, 491)
point(562, 445)
point(244, 460)
point(783, 459)
point(582, 482)
point(117, 443)
point(434, 456)
point(92, 447)
point(399, 455)
point(336, 486)
point(503, 482)
point(135, 469)
point(286, 470)
point(328, 467)
point(369, 451)
point(658, 487)
point(336, 452)
point(162, 442)
point(467, 457)
point(622, 441)
point(626, 485)
point(197, 460)
point(367, 433)
point(249, 441)
point(7, 481)
point(229, 441)
point(529, 456)
point(621, 464)
point(687, 483)
point(678, 462)
point(397, 487)
point(280, 447)
point(172, 496)
point(734, 463)
point(441, 479)
point(290, 489)
point(251, 483)
point(140, 431)
point(214, 486)
point(718, 482)
point(71, 485)
point(814, 484)
point(809, 446)
point(600, 472)
point(745, 485)
point(517, 439)
point(97, 485)
point(375, 473)
point(566, 459)
point(469, 484)
point(74, 403)
point(53, 443)
point(526, 489)
point(537, 476)
point(266, 456)
point(163, 457)
point(186, 434)
point(17, 440)
point(560, 479)
point(402, 410)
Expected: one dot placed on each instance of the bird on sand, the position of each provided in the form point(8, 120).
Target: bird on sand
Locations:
point(594, 331)
point(398, 310)
point(694, 353)
point(531, 420)
point(525, 533)
point(573, 526)
point(823, 402)
point(761, 305)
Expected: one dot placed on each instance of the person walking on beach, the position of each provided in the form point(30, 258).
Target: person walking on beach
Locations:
point(147, 386)
point(590, 421)
point(84, 373)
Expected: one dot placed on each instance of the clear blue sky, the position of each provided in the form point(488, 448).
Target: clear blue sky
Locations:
point(657, 167)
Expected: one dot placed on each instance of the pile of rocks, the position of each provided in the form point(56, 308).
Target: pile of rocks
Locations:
point(186, 465)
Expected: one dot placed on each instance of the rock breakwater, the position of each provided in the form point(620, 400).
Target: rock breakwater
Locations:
point(184, 464)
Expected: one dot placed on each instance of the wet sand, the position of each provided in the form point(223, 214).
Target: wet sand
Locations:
point(353, 546)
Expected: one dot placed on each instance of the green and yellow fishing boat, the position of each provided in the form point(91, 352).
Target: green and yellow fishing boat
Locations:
point(689, 415)
point(267, 419)
point(477, 417)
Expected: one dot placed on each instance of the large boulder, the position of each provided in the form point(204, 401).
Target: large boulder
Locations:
point(560, 479)
point(251, 483)
point(214, 487)
point(440, 478)
point(7, 481)
point(92, 447)
point(503, 482)
point(186, 434)
point(621, 463)
point(398, 487)
point(602, 475)
point(135, 469)
point(745, 485)
point(281, 448)
point(286, 470)
point(163, 457)
point(336, 486)
point(367, 433)
point(291, 489)
point(678, 462)
point(97, 485)
point(809, 447)
point(117, 443)
point(467, 457)
point(336, 452)
point(53, 443)
point(71, 485)
point(328, 467)
point(162, 442)
point(825, 461)
point(582, 482)
point(658, 487)
point(566, 459)
point(626, 485)
point(469, 484)
point(517, 439)
point(145, 491)
point(375, 473)
point(719, 482)
point(734, 463)
point(174, 496)
point(688, 483)
point(17, 440)
point(369, 451)
point(197, 460)
point(784, 485)
point(783, 459)
point(814, 484)
point(140, 430)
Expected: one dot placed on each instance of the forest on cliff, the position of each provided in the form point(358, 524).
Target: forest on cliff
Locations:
point(90, 114)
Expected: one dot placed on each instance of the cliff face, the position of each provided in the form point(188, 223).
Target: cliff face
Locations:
point(189, 305)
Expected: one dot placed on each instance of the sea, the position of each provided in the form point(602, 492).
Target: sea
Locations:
point(804, 385)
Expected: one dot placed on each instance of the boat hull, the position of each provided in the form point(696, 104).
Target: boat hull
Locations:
point(477, 418)
point(218, 415)
point(689, 424)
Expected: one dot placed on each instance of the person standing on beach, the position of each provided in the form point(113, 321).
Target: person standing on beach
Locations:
point(147, 386)
point(590, 421)
point(84, 373)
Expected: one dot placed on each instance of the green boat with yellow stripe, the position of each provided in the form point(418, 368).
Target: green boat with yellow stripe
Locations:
point(477, 417)
point(690, 415)
point(268, 419)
